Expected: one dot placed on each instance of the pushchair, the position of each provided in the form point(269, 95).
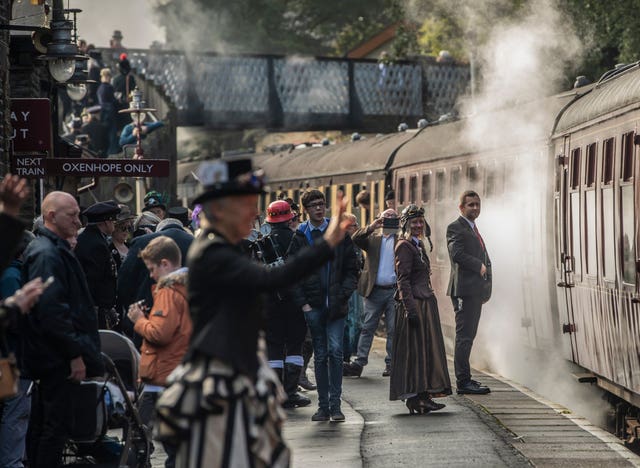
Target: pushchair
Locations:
point(106, 427)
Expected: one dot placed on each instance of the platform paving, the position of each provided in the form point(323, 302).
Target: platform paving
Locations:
point(510, 427)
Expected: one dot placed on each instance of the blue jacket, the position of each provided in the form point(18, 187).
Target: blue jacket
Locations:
point(128, 138)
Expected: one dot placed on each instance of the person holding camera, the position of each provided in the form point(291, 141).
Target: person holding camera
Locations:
point(469, 286)
point(419, 370)
point(377, 284)
point(165, 329)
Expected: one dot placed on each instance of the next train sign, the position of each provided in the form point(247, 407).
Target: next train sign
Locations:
point(38, 166)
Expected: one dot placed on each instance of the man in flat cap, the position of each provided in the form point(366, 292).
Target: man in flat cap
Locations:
point(97, 262)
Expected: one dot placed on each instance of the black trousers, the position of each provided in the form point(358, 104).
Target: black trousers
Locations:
point(286, 329)
point(50, 421)
point(467, 310)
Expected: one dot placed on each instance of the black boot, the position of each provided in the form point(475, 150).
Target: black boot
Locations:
point(307, 352)
point(291, 378)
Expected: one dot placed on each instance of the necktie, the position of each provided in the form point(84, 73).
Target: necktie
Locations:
point(475, 229)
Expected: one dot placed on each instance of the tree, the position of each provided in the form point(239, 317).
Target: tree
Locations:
point(274, 26)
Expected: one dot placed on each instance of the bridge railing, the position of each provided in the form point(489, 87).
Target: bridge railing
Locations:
point(288, 92)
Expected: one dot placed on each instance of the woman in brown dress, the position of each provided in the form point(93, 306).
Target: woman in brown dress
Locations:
point(419, 368)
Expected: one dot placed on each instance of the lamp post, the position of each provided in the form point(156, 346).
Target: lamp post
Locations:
point(138, 113)
point(62, 52)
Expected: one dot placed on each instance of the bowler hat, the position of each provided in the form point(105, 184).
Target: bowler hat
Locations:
point(102, 211)
point(117, 34)
point(125, 213)
point(221, 178)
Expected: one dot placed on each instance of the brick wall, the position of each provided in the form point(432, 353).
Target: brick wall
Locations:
point(5, 12)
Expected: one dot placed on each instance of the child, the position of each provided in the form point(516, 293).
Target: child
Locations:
point(166, 329)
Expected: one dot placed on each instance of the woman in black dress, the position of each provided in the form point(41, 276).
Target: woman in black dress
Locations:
point(419, 368)
point(223, 408)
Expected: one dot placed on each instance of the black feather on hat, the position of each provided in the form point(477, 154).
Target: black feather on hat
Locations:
point(225, 178)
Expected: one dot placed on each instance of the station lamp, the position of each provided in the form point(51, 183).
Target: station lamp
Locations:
point(62, 51)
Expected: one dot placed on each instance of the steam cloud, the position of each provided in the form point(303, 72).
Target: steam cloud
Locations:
point(522, 62)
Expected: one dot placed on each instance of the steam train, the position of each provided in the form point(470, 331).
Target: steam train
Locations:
point(559, 187)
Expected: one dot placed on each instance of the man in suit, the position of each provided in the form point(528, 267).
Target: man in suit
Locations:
point(469, 286)
point(377, 285)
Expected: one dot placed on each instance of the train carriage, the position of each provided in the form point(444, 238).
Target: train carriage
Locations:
point(596, 201)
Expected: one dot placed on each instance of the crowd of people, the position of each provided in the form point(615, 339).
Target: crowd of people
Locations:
point(94, 121)
point(227, 317)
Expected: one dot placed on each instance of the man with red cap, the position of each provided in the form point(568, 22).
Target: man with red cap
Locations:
point(285, 325)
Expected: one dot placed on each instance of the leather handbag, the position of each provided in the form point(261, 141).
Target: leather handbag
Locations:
point(9, 376)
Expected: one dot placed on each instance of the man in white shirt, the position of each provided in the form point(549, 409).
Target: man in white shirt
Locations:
point(377, 285)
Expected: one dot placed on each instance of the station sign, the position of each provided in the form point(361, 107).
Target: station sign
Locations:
point(30, 166)
point(31, 123)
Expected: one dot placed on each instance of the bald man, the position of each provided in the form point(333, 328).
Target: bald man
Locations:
point(60, 336)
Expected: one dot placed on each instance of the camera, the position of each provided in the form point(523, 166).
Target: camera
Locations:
point(390, 223)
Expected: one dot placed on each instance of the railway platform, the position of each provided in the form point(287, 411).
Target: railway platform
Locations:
point(510, 427)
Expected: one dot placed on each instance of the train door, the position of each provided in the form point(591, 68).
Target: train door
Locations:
point(568, 233)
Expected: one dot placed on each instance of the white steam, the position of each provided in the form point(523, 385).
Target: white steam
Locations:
point(521, 62)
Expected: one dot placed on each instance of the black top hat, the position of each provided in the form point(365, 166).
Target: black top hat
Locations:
point(102, 211)
point(180, 213)
point(225, 178)
point(117, 34)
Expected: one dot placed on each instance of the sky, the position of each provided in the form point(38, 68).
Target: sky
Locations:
point(100, 18)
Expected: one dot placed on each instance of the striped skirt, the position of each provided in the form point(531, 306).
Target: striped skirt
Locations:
point(218, 418)
point(419, 360)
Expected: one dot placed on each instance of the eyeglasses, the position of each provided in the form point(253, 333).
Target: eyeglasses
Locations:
point(313, 206)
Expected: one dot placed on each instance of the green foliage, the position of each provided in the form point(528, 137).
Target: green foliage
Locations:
point(275, 26)
point(442, 33)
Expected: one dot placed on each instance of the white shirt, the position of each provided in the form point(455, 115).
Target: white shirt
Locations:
point(386, 268)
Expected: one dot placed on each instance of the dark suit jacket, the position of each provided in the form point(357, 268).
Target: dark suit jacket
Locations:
point(10, 234)
point(467, 256)
point(99, 266)
point(369, 241)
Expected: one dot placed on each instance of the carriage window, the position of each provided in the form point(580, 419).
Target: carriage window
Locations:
point(607, 161)
point(272, 196)
point(327, 197)
point(590, 171)
point(627, 156)
point(608, 247)
point(628, 235)
point(355, 190)
point(490, 188)
point(401, 190)
point(591, 233)
point(263, 203)
point(455, 182)
point(413, 189)
point(440, 185)
point(473, 174)
point(575, 168)
point(575, 234)
point(426, 187)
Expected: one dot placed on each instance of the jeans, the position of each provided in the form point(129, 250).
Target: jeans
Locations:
point(380, 300)
point(352, 326)
point(14, 421)
point(327, 337)
point(147, 413)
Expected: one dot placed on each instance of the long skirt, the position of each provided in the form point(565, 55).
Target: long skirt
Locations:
point(218, 418)
point(419, 360)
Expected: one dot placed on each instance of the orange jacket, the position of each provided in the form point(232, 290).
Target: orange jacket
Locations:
point(167, 330)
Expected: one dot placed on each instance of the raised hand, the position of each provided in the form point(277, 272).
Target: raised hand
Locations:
point(337, 226)
point(13, 192)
